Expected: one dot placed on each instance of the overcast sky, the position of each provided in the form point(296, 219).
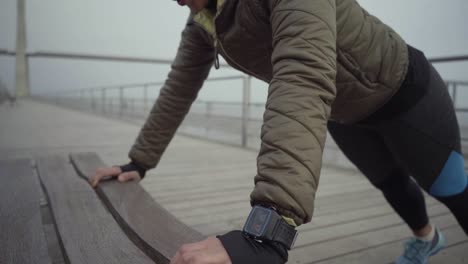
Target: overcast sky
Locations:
point(151, 28)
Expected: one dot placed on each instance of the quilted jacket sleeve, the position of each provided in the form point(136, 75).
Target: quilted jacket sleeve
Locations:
point(298, 106)
point(190, 68)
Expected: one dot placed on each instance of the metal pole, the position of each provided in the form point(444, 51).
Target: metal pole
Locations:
point(454, 95)
point(245, 109)
point(22, 67)
point(209, 106)
point(93, 103)
point(103, 100)
point(145, 99)
point(132, 105)
point(111, 105)
point(121, 99)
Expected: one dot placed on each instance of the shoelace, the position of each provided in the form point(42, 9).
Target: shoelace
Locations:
point(413, 250)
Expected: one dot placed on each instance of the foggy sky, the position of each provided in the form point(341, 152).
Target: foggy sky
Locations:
point(147, 28)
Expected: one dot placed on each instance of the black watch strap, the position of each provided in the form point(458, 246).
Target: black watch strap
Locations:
point(267, 225)
point(285, 234)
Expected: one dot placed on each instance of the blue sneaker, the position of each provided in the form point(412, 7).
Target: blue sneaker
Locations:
point(418, 251)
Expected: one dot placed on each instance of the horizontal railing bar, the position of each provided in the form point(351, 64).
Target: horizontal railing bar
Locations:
point(7, 52)
point(448, 59)
point(139, 85)
point(463, 83)
point(83, 56)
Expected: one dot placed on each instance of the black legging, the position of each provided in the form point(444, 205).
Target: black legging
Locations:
point(423, 142)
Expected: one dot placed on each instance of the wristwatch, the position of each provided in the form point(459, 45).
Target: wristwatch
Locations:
point(265, 224)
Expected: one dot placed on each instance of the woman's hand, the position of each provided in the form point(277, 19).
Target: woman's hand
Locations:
point(231, 248)
point(114, 172)
point(208, 251)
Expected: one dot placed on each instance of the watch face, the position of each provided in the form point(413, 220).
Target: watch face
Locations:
point(258, 221)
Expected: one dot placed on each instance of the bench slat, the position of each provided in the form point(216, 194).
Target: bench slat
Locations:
point(22, 238)
point(89, 234)
point(146, 222)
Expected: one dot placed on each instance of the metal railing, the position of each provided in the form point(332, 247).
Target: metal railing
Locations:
point(133, 101)
point(461, 106)
point(241, 122)
point(94, 57)
point(454, 87)
point(219, 121)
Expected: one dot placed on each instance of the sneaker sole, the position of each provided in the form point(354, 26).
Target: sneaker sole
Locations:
point(440, 245)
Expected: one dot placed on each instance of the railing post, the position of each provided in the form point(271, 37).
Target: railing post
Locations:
point(454, 85)
point(93, 103)
point(209, 107)
point(121, 99)
point(103, 100)
point(111, 105)
point(245, 109)
point(145, 99)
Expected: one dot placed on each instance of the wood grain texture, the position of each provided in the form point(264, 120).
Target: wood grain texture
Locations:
point(360, 242)
point(88, 232)
point(50, 231)
point(147, 223)
point(386, 253)
point(22, 239)
point(456, 253)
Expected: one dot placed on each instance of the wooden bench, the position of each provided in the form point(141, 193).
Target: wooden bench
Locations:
point(50, 214)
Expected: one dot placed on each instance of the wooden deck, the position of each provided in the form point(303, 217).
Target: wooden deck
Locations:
point(207, 186)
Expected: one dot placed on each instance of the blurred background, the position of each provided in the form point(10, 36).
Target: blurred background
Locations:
point(230, 106)
point(91, 71)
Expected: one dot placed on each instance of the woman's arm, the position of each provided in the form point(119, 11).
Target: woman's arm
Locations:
point(190, 68)
point(298, 106)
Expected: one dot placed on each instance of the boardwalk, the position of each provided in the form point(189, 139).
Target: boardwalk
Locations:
point(207, 185)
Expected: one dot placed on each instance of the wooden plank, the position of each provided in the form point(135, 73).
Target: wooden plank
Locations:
point(317, 236)
point(236, 180)
point(146, 222)
point(55, 250)
point(201, 168)
point(221, 191)
point(455, 253)
point(22, 239)
point(229, 177)
point(388, 252)
point(50, 231)
point(331, 205)
point(88, 233)
point(360, 242)
point(319, 222)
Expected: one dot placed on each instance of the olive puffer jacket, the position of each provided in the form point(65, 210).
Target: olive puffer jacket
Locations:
point(323, 59)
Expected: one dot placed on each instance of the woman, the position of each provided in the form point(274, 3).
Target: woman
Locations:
point(328, 62)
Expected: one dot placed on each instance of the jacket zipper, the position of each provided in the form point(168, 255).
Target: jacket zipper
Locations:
point(218, 44)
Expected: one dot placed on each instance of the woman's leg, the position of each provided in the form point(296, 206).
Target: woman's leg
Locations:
point(426, 140)
point(367, 150)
